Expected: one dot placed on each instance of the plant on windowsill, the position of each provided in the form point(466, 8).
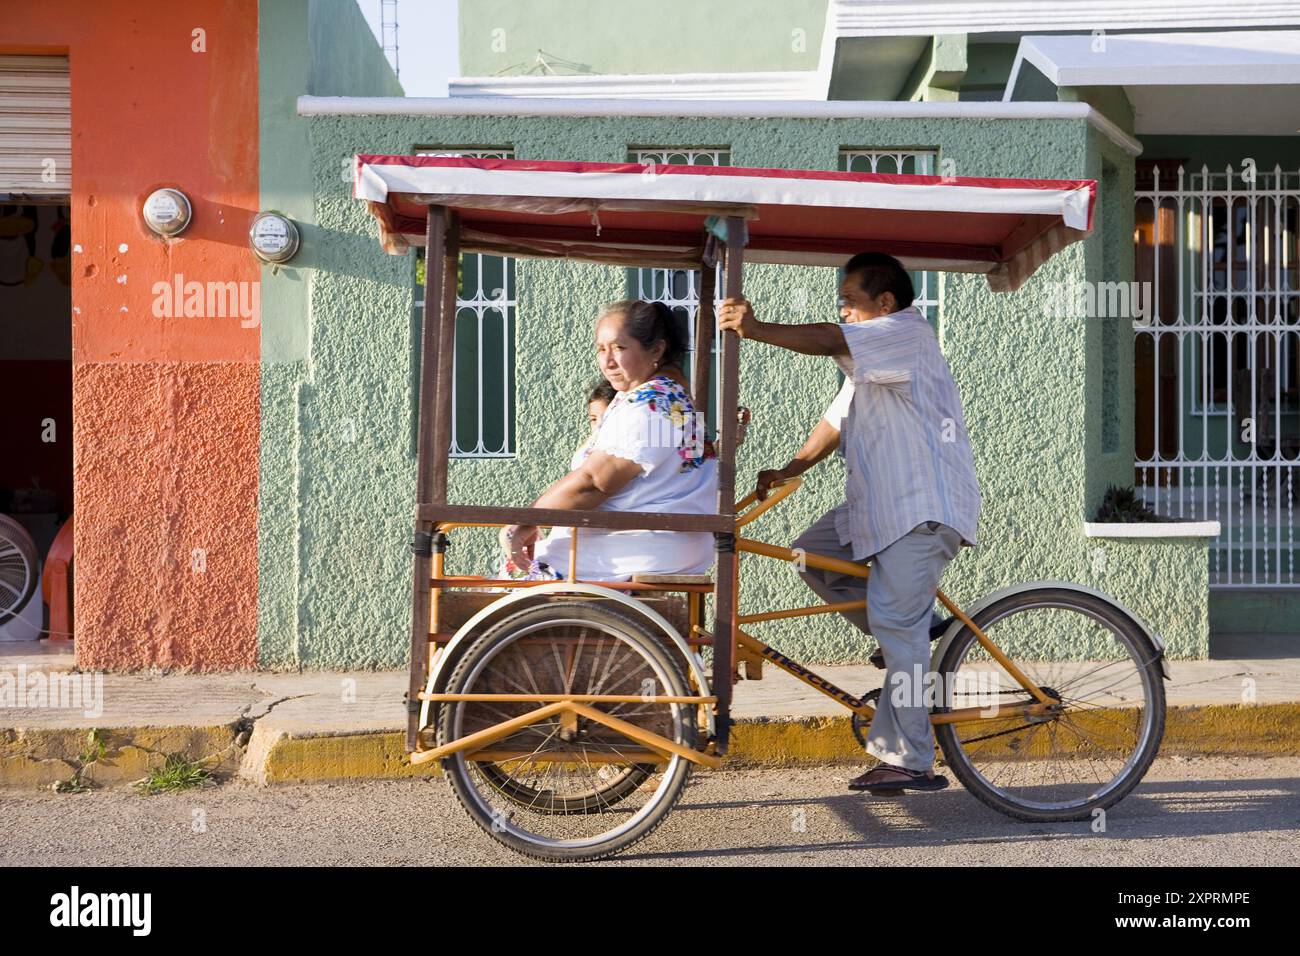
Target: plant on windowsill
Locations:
point(1122, 506)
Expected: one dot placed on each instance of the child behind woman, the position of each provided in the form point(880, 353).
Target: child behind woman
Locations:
point(598, 399)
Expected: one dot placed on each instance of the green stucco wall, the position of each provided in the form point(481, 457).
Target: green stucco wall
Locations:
point(346, 59)
point(1108, 450)
point(726, 36)
point(339, 474)
point(1111, 101)
point(988, 66)
point(299, 52)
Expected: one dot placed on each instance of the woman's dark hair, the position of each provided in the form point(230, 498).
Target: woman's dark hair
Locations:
point(651, 322)
point(879, 273)
point(601, 391)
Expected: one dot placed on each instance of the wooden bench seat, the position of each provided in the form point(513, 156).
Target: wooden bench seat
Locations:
point(673, 579)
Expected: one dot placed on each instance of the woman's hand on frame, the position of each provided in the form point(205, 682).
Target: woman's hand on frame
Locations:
point(518, 543)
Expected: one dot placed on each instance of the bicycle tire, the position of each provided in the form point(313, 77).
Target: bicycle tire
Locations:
point(1148, 665)
point(473, 664)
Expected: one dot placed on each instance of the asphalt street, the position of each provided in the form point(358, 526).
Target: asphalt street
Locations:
point(1188, 811)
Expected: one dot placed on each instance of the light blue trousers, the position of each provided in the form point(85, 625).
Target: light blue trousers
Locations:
point(900, 610)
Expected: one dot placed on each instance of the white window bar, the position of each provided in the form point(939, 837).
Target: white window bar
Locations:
point(479, 307)
point(1233, 242)
point(677, 288)
point(915, 162)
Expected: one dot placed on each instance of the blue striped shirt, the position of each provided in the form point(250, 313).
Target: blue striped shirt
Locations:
point(906, 453)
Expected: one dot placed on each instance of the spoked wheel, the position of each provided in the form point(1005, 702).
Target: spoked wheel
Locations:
point(568, 787)
point(1104, 727)
point(610, 784)
point(19, 576)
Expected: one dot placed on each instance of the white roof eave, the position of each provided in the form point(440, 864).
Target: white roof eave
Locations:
point(709, 109)
point(865, 18)
point(1250, 58)
point(791, 85)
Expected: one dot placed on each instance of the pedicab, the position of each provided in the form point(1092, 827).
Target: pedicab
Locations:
point(567, 716)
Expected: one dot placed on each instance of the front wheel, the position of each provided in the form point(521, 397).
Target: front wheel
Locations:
point(1103, 674)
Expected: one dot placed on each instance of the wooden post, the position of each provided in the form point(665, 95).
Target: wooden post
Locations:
point(705, 326)
point(724, 612)
point(434, 443)
point(445, 353)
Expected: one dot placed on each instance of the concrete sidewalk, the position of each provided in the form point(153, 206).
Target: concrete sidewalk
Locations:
point(329, 725)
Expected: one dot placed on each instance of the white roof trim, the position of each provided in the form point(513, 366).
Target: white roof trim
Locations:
point(1244, 58)
point(800, 85)
point(755, 85)
point(376, 181)
point(721, 109)
point(865, 18)
point(1151, 529)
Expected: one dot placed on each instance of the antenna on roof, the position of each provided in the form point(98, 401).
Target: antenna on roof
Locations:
point(545, 62)
point(388, 31)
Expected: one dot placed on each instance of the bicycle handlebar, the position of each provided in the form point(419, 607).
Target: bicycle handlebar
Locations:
point(777, 491)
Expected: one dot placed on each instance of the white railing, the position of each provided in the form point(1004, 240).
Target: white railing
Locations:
point(1222, 332)
point(679, 288)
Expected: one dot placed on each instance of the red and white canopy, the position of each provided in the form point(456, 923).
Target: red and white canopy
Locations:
point(653, 215)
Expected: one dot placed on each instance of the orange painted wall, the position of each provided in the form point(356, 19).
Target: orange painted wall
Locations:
point(165, 409)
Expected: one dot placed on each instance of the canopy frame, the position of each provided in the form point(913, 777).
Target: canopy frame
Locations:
point(722, 235)
point(647, 215)
point(443, 233)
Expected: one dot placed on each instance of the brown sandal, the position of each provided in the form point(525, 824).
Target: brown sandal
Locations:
point(885, 778)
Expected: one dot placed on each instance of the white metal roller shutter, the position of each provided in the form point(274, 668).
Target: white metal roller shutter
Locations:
point(35, 127)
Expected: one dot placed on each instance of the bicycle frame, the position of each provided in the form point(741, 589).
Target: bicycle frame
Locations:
point(751, 648)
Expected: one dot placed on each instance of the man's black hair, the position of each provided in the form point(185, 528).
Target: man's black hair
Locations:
point(879, 273)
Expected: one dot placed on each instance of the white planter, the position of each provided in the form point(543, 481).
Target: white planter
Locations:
point(1151, 529)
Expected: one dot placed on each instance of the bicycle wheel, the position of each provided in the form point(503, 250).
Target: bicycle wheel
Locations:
point(566, 787)
point(19, 577)
point(609, 785)
point(1107, 719)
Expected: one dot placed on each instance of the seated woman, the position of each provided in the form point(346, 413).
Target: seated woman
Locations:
point(648, 453)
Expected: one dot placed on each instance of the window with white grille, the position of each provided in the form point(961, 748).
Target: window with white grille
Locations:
point(483, 363)
point(913, 162)
point(679, 288)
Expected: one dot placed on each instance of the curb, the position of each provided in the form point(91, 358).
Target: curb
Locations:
point(40, 758)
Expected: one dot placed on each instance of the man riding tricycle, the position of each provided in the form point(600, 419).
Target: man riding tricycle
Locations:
point(568, 696)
